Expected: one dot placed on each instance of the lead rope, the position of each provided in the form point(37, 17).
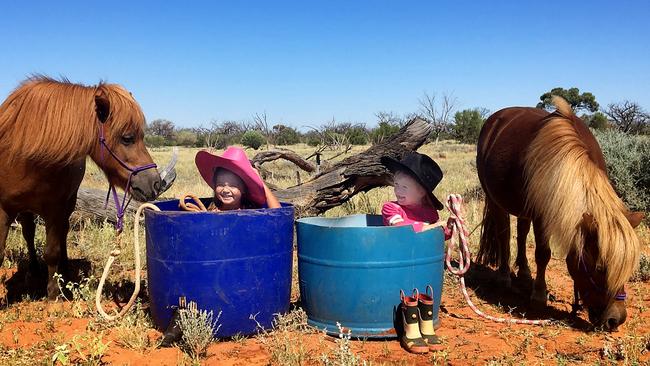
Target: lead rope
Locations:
point(111, 259)
point(454, 204)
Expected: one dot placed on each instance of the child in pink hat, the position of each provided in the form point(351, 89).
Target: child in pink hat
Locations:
point(235, 183)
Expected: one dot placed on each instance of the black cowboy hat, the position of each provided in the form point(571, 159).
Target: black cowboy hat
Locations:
point(422, 168)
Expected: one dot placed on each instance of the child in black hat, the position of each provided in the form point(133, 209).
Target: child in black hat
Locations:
point(414, 177)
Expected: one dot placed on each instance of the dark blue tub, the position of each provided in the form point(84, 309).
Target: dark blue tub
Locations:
point(236, 262)
point(352, 268)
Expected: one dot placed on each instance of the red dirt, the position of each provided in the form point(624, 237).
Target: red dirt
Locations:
point(467, 338)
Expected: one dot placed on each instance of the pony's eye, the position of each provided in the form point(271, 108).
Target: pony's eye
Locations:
point(128, 140)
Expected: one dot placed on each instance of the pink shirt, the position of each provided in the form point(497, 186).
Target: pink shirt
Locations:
point(417, 216)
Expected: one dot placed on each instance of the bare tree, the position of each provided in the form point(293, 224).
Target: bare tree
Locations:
point(438, 112)
point(628, 117)
point(261, 123)
point(161, 127)
point(390, 118)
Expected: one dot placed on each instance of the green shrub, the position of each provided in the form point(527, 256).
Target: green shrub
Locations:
point(383, 131)
point(467, 125)
point(198, 327)
point(628, 166)
point(252, 139)
point(285, 135)
point(185, 137)
point(154, 141)
point(357, 135)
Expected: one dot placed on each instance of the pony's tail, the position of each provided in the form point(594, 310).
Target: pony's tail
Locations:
point(493, 250)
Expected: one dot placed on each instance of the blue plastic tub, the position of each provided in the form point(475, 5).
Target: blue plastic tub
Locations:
point(352, 269)
point(236, 262)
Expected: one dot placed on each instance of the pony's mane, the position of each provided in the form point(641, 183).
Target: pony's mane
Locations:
point(49, 122)
point(563, 183)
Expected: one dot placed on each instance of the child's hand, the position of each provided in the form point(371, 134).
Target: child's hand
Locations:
point(431, 226)
point(450, 223)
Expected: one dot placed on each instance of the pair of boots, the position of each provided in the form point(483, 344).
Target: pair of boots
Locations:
point(417, 317)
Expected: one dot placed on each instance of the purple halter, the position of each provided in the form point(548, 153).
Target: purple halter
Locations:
point(621, 296)
point(111, 188)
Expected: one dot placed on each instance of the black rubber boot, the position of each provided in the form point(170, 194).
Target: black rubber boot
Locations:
point(173, 333)
point(427, 326)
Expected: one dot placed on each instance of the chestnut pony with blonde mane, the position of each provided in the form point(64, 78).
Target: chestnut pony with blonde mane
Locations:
point(547, 169)
point(47, 129)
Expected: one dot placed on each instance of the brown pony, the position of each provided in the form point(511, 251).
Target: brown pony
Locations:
point(547, 169)
point(47, 128)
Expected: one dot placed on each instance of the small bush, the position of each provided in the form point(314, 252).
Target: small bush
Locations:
point(198, 329)
point(342, 355)
point(252, 139)
point(383, 131)
point(154, 141)
point(285, 135)
point(357, 135)
point(628, 166)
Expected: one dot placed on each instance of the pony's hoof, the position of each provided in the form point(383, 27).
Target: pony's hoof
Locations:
point(504, 281)
point(538, 302)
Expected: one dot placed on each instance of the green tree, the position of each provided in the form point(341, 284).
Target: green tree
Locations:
point(596, 121)
point(578, 101)
point(384, 130)
point(185, 137)
point(161, 127)
point(253, 139)
point(285, 135)
point(467, 125)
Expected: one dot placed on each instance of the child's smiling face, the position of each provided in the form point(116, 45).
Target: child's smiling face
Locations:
point(407, 190)
point(228, 189)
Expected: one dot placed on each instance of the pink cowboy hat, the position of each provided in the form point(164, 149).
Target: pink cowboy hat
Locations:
point(235, 160)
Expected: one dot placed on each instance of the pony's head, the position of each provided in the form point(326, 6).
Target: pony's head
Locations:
point(597, 281)
point(121, 122)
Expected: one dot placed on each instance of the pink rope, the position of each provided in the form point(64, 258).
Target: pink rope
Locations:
point(454, 204)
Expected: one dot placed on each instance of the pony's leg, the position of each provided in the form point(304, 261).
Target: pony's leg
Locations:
point(56, 255)
point(28, 224)
point(542, 257)
point(5, 223)
point(494, 246)
point(523, 227)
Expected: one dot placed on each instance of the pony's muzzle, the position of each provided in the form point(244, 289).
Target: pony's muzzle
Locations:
point(146, 185)
point(610, 318)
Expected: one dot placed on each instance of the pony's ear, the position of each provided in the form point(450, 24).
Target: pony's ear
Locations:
point(589, 223)
point(102, 105)
point(635, 218)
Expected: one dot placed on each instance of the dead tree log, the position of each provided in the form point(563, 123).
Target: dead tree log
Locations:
point(357, 173)
point(90, 205)
point(330, 188)
point(275, 154)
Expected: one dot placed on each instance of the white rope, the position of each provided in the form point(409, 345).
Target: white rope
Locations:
point(111, 259)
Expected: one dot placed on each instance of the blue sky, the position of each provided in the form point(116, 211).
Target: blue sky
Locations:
point(306, 62)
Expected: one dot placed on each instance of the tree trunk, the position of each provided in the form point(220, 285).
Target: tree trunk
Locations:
point(357, 173)
point(330, 188)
